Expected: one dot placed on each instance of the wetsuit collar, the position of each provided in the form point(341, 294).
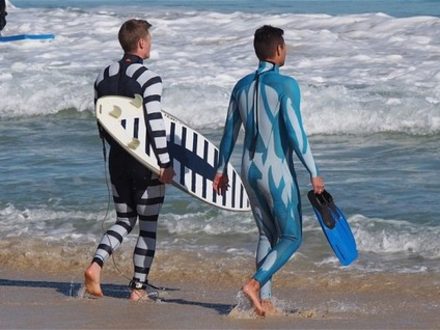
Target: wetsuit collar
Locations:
point(131, 58)
point(265, 66)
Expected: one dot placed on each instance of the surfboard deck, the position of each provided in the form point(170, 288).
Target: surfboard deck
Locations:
point(335, 227)
point(17, 37)
point(193, 156)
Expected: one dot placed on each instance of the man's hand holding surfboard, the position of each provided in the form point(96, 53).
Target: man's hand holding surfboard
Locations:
point(220, 183)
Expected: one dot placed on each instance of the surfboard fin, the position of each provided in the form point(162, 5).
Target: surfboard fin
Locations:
point(133, 144)
point(137, 100)
point(116, 112)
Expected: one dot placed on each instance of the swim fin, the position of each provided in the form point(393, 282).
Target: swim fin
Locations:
point(335, 227)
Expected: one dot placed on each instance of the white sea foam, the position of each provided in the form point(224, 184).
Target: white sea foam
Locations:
point(49, 225)
point(236, 234)
point(396, 236)
point(358, 73)
point(202, 223)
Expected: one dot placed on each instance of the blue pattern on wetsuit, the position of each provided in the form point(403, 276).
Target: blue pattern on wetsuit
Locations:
point(274, 129)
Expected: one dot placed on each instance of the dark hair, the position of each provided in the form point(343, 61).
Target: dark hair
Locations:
point(130, 33)
point(266, 40)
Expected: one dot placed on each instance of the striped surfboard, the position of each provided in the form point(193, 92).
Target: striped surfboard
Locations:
point(194, 156)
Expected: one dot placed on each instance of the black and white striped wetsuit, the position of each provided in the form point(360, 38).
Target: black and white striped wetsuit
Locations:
point(137, 192)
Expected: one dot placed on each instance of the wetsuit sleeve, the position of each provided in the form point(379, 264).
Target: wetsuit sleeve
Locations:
point(152, 93)
point(230, 134)
point(297, 136)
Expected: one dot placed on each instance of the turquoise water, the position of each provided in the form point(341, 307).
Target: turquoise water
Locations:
point(371, 104)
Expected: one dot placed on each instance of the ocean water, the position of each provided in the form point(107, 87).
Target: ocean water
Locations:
point(370, 79)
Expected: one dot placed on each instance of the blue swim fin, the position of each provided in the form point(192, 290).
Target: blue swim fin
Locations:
point(335, 227)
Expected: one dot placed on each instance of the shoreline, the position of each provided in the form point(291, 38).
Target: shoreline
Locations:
point(34, 299)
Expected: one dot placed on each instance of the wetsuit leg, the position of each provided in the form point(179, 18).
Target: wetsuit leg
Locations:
point(267, 238)
point(126, 217)
point(267, 230)
point(148, 208)
point(129, 182)
point(263, 249)
point(282, 220)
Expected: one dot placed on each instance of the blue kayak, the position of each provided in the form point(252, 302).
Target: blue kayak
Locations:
point(17, 37)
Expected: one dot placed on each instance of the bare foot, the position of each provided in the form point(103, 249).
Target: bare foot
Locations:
point(92, 278)
point(137, 295)
point(269, 308)
point(252, 290)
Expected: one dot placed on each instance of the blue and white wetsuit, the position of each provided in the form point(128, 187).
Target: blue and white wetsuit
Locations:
point(274, 131)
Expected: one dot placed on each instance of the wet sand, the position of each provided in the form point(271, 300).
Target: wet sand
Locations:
point(33, 299)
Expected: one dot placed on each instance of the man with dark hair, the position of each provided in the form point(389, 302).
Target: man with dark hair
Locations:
point(3, 14)
point(137, 192)
point(266, 41)
point(268, 105)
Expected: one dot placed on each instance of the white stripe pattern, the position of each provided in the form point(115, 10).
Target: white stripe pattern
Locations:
point(113, 69)
point(153, 109)
point(145, 77)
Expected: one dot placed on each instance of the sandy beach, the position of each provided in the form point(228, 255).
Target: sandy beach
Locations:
point(35, 299)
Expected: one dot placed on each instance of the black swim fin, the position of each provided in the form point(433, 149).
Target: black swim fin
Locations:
point(323, 203)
